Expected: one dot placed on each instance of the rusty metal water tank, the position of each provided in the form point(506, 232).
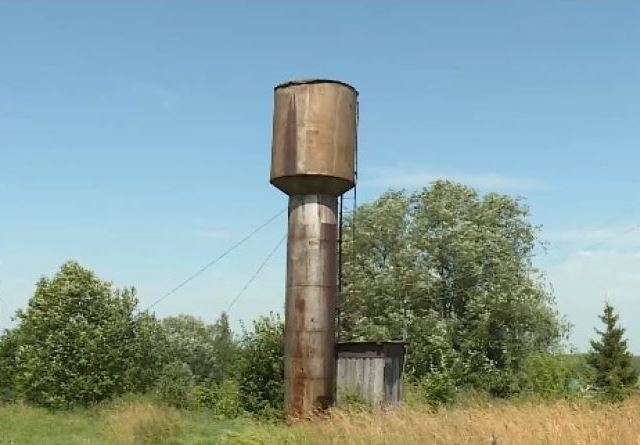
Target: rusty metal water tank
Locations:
point(314, 137)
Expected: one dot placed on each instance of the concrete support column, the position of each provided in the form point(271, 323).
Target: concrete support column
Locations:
point(310, 303)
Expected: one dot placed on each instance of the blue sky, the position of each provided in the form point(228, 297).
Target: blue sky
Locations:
point(135, 136)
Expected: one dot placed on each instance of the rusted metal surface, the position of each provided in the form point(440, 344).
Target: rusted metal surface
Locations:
point(310, 304)
point(312, 160)
point(314, 137)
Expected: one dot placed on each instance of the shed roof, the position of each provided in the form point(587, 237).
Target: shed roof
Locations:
point(371, 349)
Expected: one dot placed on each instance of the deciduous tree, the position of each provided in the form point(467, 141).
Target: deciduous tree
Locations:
point(80, 341)
point(455, 269)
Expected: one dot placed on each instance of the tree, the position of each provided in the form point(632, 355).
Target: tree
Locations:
point(208, 350)
point(148, 353)
point(456, 269)
point(8, 350)
point(261, 367)
point(191, 342)
point(225, 347)
point(611, 359)
point(80, 341)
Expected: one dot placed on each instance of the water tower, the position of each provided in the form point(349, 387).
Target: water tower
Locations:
point(312, 160)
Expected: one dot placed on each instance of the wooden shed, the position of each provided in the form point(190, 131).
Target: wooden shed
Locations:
point(370, 370)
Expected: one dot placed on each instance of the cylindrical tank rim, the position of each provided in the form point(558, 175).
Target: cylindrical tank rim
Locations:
point(312, 81)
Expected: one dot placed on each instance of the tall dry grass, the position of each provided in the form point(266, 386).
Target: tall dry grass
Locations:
point(141, 422)
point(553, 423)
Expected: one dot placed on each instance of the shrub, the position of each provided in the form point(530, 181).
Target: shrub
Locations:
point(191, 342)
point(176, 384)
point(228, 403)
point(438, 388)
point(149, 353)
point(80, 341)
point(555, 375)
point(225, 347)
point(261, 367)
point(203, 395)
point(209, 350)
point(8, 350)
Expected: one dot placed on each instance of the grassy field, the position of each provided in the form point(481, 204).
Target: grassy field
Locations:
point(558, 423)
point(504, 423)
point(135, 422)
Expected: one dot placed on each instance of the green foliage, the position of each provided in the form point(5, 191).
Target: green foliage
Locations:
point(80, 342)
point(430, 349)
point(225, 347)
point(263, 434)
point(228, 403)
point(555, 375)
point(203, 395)
point(191, 342)
point(459, 265)
point(132, 421)
point(352, 399)
point(202, 374)
point(8, 350)
point(611, 359)
point(148, 354)
point(207, 350)
point(222, 399)
point(176, 384)
point(261, 367)
point(438, 388)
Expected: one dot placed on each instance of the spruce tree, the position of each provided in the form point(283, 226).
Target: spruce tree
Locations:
point(615, 375)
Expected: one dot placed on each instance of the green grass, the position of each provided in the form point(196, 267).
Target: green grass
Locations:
point(200, 429)
point(22, 425)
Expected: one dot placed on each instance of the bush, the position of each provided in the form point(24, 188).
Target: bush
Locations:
point(8, 350)
point(203, 395)
point(261, 367)
point(176, 385)
point(555, 375)
point(438, 388)
point(80, 342)
point(191, 342)
point(148, 355)
point(228, 403)
point(178, 388)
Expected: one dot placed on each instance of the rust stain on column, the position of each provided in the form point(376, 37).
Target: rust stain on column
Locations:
point(312, 161)
point(310, 303)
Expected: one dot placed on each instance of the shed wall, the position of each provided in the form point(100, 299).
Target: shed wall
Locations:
point(393, 380)
point(371, 370)
point(363, 376)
